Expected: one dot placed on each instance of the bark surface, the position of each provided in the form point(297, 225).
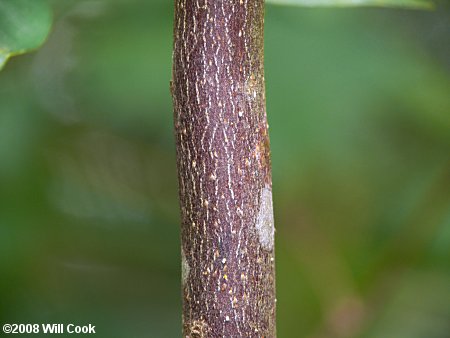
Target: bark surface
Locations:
point(223, 158)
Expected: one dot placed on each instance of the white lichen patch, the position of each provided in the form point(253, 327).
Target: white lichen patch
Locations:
point(264, 221)
point(185, 269)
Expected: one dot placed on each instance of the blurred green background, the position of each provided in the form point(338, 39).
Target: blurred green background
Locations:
point(359, 111)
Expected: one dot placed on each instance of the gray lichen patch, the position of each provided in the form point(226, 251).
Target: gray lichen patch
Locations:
point(264, 221)
point(185, 269)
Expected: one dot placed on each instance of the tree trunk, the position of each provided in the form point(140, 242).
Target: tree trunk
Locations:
point(223, 157)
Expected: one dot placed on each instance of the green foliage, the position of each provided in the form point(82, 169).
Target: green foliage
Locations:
point(358, 109)
point(419, 4)
point(24, 26)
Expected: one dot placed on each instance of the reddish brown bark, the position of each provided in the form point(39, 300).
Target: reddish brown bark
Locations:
point(224, 169)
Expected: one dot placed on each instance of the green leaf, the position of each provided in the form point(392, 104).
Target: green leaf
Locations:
point(415, 4)
point(24, 26)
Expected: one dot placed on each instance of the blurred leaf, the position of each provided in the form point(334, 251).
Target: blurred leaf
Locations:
point(406, 315)
point(351, 3)
point(24, 26)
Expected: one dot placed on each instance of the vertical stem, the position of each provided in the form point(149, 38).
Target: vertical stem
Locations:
point(223, 157)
